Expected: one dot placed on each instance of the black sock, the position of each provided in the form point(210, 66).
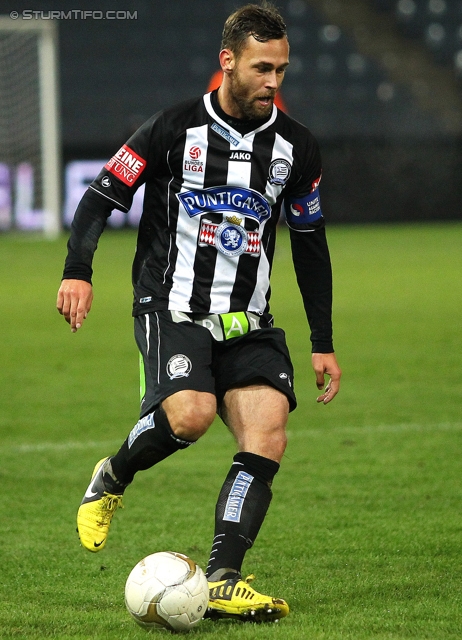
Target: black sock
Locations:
point(241, 508)
point(150, 441)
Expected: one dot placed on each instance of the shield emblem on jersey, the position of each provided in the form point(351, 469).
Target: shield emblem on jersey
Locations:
point(279, 171)
point(231, 239)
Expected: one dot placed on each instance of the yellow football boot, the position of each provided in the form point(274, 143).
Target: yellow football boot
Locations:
point(235, 598)
point(96, 510)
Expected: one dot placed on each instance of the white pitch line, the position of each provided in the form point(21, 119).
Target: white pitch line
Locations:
point(382, 428)
point(110, 445)
point(60, 446)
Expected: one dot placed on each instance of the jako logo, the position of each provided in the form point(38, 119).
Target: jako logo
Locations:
point(194, 153)
point(240, 155)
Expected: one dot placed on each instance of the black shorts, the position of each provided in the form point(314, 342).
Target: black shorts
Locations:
point(182, 355)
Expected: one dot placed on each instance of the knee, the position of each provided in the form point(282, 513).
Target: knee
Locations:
point(191, 415)
point(193, 422)
point(270, 444)
point(276, 445)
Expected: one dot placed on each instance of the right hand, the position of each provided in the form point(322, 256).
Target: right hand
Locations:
point(74, 301)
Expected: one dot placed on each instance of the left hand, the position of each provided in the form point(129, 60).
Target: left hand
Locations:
point(326, 363)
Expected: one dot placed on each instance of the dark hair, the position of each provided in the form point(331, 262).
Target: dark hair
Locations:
point(263, 22)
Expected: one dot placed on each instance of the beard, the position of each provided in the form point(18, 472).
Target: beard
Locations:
point(250, 108)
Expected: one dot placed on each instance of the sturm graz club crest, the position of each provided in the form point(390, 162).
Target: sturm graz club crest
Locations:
point(279, 171)
point(179, 366)
point(231, 238)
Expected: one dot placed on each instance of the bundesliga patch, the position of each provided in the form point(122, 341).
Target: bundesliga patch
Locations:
point(229, 237)
point(126, 165)
point(192, 162)
point(304, 210)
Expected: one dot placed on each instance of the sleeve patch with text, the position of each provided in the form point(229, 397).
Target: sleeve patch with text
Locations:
point(126, 165)
point(304, 210)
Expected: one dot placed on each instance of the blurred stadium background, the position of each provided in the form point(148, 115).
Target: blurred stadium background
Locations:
point(379, 82)
point(369, 496)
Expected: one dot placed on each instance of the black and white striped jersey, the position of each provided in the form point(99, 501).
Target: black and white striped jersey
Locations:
point(213, 198)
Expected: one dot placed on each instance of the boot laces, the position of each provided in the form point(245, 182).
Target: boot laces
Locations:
point(109, 503)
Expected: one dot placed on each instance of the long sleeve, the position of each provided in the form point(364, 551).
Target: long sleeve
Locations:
point(113, 188)
point(88, 224)
point(313, 269)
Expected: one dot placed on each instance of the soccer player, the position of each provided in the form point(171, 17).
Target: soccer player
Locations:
point(217, 171)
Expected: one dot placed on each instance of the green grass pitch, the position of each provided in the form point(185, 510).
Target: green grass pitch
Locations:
point(364, 535)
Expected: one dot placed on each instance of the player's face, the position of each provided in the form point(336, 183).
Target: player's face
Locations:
point(256, 76)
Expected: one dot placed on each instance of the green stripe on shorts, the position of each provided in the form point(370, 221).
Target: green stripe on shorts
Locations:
point(142, 379)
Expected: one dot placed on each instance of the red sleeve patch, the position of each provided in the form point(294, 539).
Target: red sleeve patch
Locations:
point(315, 184)
point(126, 165)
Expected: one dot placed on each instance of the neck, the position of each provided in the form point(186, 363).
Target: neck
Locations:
point(227, 103)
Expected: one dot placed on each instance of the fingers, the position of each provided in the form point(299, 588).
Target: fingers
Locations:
point(78, 313)
point(63, 303)
point(326, 363)
point(320, 380)
point(60, 302)
point(330, 392)
point(74, 302)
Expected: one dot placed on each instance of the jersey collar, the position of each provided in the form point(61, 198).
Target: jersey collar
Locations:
point(211, 111)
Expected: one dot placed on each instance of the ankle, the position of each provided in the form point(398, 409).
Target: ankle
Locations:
point(111, 483)
point(223, 574)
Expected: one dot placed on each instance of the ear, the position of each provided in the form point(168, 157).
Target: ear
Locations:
point(227, 60)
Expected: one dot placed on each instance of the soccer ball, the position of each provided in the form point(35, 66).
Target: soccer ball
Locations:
point(167, 590)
